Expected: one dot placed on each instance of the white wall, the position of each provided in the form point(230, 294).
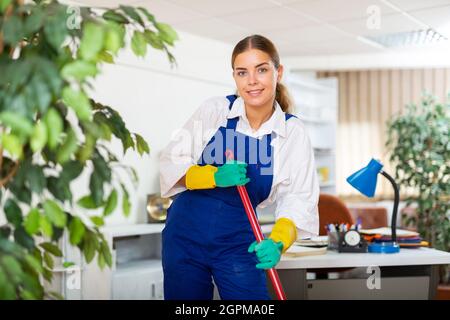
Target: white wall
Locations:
point(155, 100)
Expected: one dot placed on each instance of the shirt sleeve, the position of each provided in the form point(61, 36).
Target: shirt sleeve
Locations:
point(186, 145)
point(297, 195)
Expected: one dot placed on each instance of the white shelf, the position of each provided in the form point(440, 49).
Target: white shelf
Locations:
point(309, 85)
point(133, 267)
point(326, 184)
point(315, 120)
point(133, 229)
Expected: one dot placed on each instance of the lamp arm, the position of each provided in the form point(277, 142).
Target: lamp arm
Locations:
point(396, 201)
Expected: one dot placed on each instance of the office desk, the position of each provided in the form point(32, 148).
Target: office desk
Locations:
point(409, 274)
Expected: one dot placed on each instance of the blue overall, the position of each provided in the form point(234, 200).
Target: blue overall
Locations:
point(207, 231)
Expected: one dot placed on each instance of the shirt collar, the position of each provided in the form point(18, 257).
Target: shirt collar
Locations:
point(277, 122)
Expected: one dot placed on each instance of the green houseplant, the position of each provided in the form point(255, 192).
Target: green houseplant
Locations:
point(419, 142)
point(51, 132)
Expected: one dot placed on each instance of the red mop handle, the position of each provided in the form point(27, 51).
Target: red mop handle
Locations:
point(273, 275)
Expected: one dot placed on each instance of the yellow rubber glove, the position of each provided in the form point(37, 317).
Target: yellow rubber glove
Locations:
point(201, 177)
point(285, 231)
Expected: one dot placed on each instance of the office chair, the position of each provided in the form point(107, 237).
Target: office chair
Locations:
point(332, 210)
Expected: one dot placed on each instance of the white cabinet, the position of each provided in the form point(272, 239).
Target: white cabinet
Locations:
point(136, 271)
point(316, 105)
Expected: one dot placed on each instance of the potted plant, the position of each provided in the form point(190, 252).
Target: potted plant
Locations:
point(419, 142)
point(51, 132)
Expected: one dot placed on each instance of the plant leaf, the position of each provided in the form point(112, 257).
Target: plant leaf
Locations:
point(111, 203)
point(139, 44)
point(55, 213)
point(39, 137)
point(92, 41)
point(13, 213)
point(32, 221)
point(79, 70)
point(54, 126)
point(51, 248)
point(79, 102)
point(77, 230)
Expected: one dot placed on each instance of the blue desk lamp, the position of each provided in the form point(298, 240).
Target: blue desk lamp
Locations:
point(365, 181)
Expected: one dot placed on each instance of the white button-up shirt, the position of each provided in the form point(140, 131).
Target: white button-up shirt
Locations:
point(295, 186)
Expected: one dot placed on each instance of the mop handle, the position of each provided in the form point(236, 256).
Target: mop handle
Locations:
point(273, 275)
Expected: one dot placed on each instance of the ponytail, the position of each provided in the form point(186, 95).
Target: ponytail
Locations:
point(283, 98)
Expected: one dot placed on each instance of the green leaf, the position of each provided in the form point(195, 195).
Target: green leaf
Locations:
point(34, 263)
point(90, 245)
point(18, 123)
point(88, 203)
point(46, 226)
point(71, 170)
point(142, 145)
point(38, 137)
point(167, 33)
point(139, 44)
point(55, 213)
point(32, 221)
point(12, 144)
point(77, 230)
point(79, 102)
point(106, 253)
point(54, 126)
point(114, 38)
point(12, 30)
point(98, 221)
point(111, 203)
point(68, 264)
point(12, 267)
point(4, 4)
point(13, 213)
point(96, 188)
point(115, 17)
point(149, 16)
point(153, 39)
point(79, 70)
point(106, 57)
point(51, 248)
point(68, 148)
point(133, 14)
point(92, 41)
point(34, 21)
point(36, 178)
point(55, 27)
point(60, 188)
point(23, 238)
point(48, 260)
point(126, 205)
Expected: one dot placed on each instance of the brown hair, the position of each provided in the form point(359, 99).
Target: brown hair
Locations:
point(262, 43)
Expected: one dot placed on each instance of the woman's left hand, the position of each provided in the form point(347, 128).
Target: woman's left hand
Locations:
point(268, 253)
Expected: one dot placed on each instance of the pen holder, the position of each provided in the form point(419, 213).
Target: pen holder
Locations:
point(347, 241)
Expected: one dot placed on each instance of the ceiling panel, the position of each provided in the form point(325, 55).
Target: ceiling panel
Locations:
point(101, 3)
point(389, 24)
point(168, 12)
point(309, 33)
point(438, 18)
point(407, 5)
point(219, 8)
point(214, 28)
point(267, 19)
point(337, 10)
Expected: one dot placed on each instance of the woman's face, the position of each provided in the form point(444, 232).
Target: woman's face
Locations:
point(256, 77)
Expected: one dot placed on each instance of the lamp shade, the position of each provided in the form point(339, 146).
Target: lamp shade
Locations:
point(365, 179)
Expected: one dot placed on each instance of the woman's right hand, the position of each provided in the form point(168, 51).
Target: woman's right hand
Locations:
point(232, 173)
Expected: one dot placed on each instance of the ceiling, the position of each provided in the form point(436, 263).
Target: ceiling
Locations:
point(297, 27)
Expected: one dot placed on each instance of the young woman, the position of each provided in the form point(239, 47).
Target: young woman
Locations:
point(207, 234)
